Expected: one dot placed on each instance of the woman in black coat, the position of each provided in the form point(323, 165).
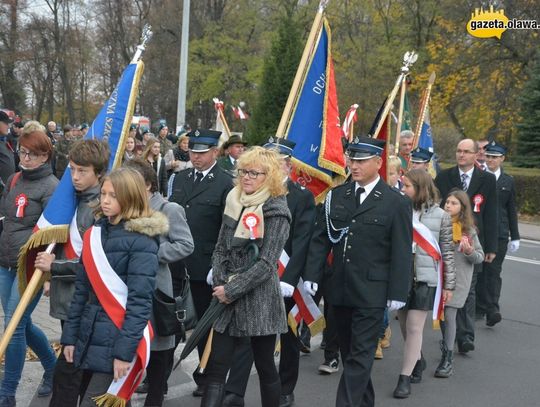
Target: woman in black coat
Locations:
point(152, 154)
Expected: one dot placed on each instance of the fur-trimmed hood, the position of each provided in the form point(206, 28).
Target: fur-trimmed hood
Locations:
point(155, 225)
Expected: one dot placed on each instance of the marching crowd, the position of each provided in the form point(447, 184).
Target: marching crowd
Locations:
point(185, 215)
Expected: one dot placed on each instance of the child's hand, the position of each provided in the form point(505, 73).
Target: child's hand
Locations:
point(69, 350)
point(466, 246)
point(120, 368)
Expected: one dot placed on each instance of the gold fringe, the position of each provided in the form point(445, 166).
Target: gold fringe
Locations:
point(58, 234)
point(436, 325)
point(317, 326)
point(292, 323)
point(109, 400)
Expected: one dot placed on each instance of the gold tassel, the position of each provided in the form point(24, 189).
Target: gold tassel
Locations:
point(317, 326)
point(58, 234)
point(109, 400)
point(292, 323)
point(436, 325)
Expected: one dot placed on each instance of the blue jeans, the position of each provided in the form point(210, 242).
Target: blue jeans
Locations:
point(25, 333)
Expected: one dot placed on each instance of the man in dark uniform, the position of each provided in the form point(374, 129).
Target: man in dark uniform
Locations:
point(7, 160)
point(302, 207)
point(482, 189)
point(508, 226)
point(420, 158)
point(368, 227)
point(201, 191)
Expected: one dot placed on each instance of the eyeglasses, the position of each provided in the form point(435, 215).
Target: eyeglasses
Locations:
point(27, 154)
point(250, 173)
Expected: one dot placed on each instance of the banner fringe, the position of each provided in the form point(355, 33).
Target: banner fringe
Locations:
point(317, 326)
point(109, 400)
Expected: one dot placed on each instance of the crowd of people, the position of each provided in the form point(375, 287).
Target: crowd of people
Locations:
point(184, 210)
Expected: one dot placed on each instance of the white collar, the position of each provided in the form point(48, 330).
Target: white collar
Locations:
point(369, 187)
point(469, 173)
point(496, 173)
point(233, 161)
point(205, 172)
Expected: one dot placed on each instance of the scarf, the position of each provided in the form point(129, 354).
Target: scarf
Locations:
point(456, 230)
point(246, 211)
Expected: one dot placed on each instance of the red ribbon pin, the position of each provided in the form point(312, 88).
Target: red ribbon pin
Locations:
point(478, 199)
point(251, 221)
point(21, 201)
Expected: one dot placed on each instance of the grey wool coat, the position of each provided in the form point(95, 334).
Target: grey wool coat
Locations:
point(173, 246)
point(257, 306)
point(464, 270)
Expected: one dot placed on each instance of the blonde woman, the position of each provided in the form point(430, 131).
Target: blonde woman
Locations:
point(255, 211)
point(153, 156)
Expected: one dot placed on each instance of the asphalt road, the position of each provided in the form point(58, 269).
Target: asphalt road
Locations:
point(503, 370)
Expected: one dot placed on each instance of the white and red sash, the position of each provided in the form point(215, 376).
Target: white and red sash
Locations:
point(305, 307)
point(423, 237)
point(73, 247)
point(112, 293)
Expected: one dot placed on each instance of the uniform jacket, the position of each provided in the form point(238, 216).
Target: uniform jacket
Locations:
point(64, 272)
point(439, 224)
point(464, 270)
point(302, 207)
point(132, 251)
point(225, 163)
point(508, 224)
point(204, 206)
point(484, 185)
point(38, 185)
point(257, 306)
point(372, 261)
point(173, 246)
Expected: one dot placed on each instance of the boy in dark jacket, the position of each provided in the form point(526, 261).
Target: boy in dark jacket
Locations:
point(88, 161)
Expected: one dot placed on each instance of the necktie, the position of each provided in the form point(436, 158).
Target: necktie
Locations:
point(359, 191)
point(198, 178)
point(464, 185)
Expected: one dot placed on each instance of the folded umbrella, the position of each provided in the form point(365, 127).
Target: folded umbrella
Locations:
point(214, 310)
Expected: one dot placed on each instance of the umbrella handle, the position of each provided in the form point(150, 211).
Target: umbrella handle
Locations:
point(207, 351)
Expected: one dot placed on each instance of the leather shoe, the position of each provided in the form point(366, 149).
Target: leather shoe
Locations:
point(493, 319)
point(143, 387)
point(7, 401)
point(465, 347)
point(198, 392)
point(286, 400)
point(232, 400)
point(403, 388)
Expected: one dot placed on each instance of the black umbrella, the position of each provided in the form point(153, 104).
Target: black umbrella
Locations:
point(214, 310)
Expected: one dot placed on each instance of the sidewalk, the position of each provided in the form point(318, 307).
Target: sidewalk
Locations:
point(529, 231)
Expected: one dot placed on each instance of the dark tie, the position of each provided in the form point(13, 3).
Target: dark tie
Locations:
point(359, 191)
point(198, 178)
point(464, 182)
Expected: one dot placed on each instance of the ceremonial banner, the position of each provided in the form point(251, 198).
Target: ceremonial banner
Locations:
point(406, 124)
point(314, 122)
point(305, 308)
point(382, 134)
point(426, 140)
point(239, 113)
point(111, 124)
point(348, 124)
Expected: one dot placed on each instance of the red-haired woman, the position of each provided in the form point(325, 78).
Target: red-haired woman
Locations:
point(26, 194)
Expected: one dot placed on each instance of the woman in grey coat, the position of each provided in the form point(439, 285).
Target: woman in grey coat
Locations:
point(174, 246)
point(255, 211)
point(428, 218)
point(467, 252)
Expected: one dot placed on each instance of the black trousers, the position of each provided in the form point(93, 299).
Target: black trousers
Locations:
point(69, 383)
point(358, 332)
point(466, 316)
point(288, 363)
point(330, 333)
point(492, 281)
point(223, 346)
point(161, 362)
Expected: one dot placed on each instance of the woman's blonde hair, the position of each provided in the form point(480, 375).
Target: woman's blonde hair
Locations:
point(131, 194)
point(270, 163)
point(148, 148)
point(182, 138)
point(394, 162)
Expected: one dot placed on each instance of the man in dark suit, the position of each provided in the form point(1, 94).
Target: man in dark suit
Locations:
point(201, 191)
point(508, 227)
point(302, 207)
point(482, 189)
point(368, 227)
point(233, 149)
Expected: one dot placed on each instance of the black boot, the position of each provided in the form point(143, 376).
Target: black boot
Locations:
point(419, 367)
point(213, 395)
point(446, 367)
point(270, 393)
point(403, 388)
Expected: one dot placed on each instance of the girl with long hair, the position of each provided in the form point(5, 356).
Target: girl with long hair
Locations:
point(153, 156)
